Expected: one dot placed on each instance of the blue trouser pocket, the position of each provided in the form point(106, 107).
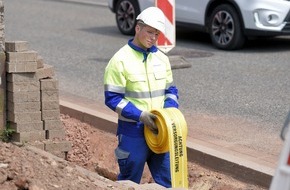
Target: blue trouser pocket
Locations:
point(122, 158)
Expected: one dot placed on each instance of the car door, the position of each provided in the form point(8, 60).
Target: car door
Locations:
point(190, 11)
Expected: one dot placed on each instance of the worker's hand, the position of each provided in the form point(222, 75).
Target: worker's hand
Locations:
point(148, 119)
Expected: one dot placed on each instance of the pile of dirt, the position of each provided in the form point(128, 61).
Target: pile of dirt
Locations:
point(22, 169)
point(92, 149)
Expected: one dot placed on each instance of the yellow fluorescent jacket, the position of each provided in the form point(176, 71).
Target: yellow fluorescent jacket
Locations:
point(136, 80)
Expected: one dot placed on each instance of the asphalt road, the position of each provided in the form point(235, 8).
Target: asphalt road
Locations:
point(244, 94)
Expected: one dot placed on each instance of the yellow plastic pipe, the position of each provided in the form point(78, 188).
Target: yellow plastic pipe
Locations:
point(172, 134)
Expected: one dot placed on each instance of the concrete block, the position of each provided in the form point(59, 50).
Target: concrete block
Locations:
point(16, 46)
point(37, 144)
point(26, 117)
point(22, 97)
point(25, 56)
point(29, 136)
point(55, 146)
point(20, 67)
point(27, 127)
point(21, 77)
point(46, 72)
point(49, 84)
point(105, 121)
point(32, 86)
point(50, 105)
point(50, 114)
point(23, 106)
point(52, 124)
point(55, 134)
point(40, 62)
point(51, 95)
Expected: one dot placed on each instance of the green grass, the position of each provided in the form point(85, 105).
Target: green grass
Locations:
point(6, 134)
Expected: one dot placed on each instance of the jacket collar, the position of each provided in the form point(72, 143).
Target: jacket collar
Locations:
point(152, 49)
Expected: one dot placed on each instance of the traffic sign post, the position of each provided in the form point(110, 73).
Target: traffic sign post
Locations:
point(167, 41)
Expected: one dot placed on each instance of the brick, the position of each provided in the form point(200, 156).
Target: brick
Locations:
point(50, 105)
point(52, 95)
point(21, 77)
point(23, 106)
point(21, 67)
point(46, 72)
point(55, 146)
point(27, 127)
point(26, 117)
point(52, 124)
point(29, 136)
point(49, 84)
point(16, 46)
point(55, 134)
point(40, 62)
point(24, 56)
point(22, 97)
point(23, 86)
point(37, 144)
point(50, 114)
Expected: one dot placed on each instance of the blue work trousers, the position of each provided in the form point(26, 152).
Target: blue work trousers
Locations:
point(132, 153)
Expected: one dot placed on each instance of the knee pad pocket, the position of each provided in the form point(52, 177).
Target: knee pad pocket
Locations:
point(122, 158)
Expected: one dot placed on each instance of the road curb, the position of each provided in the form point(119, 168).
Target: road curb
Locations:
point(209, 156)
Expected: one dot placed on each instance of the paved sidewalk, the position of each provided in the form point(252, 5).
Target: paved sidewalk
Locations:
point(246, 165)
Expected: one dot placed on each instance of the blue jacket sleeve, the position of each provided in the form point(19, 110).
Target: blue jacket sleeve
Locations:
point(171, 97)
point(128, 110)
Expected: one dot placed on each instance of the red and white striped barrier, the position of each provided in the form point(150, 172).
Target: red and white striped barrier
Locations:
point(167, 41)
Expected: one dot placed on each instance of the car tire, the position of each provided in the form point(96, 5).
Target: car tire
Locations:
point(126, 13)
point(225, 28)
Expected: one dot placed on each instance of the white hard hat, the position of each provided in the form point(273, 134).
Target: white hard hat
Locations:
point(153, 17)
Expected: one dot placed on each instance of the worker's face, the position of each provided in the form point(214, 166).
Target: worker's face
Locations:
point(146, 36)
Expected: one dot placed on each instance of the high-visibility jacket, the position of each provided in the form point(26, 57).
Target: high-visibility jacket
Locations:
point(136, 80)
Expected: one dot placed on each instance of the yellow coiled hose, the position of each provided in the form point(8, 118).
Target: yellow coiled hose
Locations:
point(172, 133)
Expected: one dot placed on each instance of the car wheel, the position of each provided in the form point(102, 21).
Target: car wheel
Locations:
point(126, 13)
point(226, 28)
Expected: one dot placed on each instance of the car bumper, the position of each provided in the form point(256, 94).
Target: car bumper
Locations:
point(267, 16)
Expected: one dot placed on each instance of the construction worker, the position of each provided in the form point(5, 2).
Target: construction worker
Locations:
point(137, 79)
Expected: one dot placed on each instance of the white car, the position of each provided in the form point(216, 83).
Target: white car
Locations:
point(229, 22)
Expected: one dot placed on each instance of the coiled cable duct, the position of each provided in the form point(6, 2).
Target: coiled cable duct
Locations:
point(172, 133)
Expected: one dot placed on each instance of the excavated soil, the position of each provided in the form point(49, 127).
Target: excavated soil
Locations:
point(92, 149)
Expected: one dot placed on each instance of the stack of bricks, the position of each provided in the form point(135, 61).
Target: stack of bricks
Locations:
point(33, 100)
